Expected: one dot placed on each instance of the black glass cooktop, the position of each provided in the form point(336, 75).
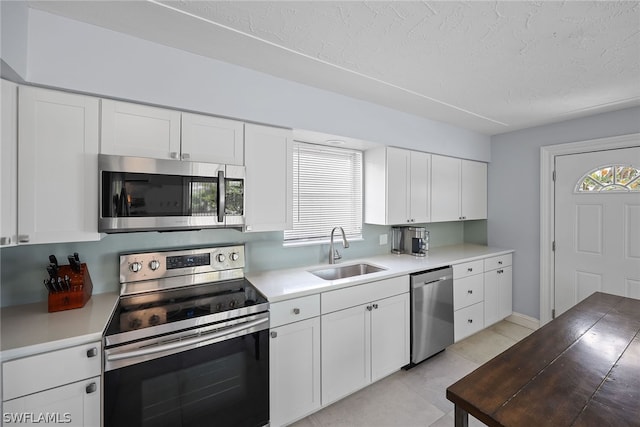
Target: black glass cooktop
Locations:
point(164, 307)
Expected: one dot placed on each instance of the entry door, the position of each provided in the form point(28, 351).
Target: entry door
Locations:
point(597, 225)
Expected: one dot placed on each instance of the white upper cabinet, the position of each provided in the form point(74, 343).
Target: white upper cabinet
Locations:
point(212, 140)
point(9, 165)
point(269, 178)
point(397, 187)
point(458, 189)
point(130, 129)
point(57, 166)
point(473, 194)
point(138, 130)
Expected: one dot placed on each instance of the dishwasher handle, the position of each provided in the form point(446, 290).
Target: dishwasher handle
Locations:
point(419, 284)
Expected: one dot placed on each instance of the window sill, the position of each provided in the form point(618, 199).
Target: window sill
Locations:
point(337, 240)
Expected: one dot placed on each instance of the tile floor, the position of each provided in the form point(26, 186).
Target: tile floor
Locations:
point(418, 397)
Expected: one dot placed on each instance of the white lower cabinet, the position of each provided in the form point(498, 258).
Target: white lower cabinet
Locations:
point(365, 342)
point(482, 294)
point(61, 386)
point(468, 299)
point(76, 404)
point(498, 284)
point(294, 359)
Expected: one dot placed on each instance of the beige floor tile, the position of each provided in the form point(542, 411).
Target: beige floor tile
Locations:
point(511, 330)
point(387, 403)
point(431, 378)
point(483, 346)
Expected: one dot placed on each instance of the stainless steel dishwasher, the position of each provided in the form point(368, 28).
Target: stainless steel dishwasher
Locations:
point(431, 312)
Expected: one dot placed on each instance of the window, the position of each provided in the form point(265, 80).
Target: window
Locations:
point(327, 192)
point(610, 178)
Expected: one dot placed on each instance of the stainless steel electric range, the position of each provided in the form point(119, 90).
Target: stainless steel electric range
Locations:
point(187, 344)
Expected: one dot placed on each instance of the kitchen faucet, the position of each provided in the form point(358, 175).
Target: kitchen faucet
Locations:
point(333, 253)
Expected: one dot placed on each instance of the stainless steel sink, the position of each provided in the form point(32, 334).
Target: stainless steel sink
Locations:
point(344, 271)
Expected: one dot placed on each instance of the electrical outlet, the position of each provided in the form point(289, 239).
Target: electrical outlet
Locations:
point(383, 239)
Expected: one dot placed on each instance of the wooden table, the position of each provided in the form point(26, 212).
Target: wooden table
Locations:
point(581, 369)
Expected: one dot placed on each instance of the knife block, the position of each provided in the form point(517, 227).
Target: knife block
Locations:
point(80, 293)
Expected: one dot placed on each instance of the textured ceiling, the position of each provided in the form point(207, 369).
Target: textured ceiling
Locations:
point(491, 67)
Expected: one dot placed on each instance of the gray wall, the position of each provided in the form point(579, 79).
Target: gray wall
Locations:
point(68, 54)
point(514, 192)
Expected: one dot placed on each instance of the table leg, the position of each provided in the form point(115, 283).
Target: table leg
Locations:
point(461, 417)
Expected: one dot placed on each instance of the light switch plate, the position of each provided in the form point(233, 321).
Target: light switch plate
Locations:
point(383, 239)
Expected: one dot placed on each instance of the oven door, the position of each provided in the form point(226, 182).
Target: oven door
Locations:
point(215, 375)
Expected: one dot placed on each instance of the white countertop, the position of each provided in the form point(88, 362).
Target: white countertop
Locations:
point(30, 329)
point(280, 285)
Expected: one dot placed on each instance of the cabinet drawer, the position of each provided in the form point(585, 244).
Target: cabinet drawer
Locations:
point(361, 294)
point(468, 269)
point(294, 310)
point(47, 370)
point(468, 291)
point(468, 321)
point(497, 262)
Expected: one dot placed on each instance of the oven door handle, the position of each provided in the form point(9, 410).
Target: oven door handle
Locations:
point(185, 343)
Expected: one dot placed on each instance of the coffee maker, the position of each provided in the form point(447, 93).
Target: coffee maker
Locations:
point(409, 240)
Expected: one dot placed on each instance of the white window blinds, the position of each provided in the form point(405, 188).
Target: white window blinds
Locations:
point(327, 192)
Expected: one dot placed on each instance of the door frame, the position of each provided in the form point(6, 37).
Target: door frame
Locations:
point(547, 206)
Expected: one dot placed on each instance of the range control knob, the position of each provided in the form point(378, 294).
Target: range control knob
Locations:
point(221, 258)
point(135, 266)
point(154, 319)
point(135, 323)
point(154, 264)
point(234, 256)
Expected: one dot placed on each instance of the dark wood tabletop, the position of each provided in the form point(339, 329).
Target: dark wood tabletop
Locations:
point(581, 369)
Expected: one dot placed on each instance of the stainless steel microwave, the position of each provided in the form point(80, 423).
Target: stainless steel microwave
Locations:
point(142, 194)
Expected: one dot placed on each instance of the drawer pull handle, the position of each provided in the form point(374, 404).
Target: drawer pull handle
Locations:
point(92, 352)
point(500, 271)
point(296, 311)
point(499, 262)
point(470, 320)
point(375, 306)
point(91, 388)
point(469, 291)
point(23, 238)
point(369, 308)
point(469, 269)
point(274, 334)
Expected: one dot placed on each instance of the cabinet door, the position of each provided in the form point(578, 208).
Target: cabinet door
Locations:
point(420, 187)
point(269, 178)
point(389, 335)
point(505, 292)
point(138, 130)
point(212, 139)
point(346, 352)
point(445, 188)
point(76, 404)
point(491, 295)
point(397, 186)
point(57, 166)
point(468, 321)
point(473, 190)
point(498, 295)
point(9, 164)
point(294, 369)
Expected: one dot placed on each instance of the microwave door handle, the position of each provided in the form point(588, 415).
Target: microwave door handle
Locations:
point(221, 196)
